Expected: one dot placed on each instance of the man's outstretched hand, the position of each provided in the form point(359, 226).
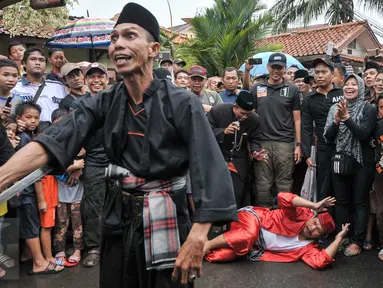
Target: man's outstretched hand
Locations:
point(342, 234)
point(326, 202)
point(189, 261)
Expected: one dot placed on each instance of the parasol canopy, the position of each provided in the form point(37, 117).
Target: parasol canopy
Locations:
point(82, 33)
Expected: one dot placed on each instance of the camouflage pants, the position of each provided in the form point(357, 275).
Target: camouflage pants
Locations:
point(66, 212)
point(278, 169)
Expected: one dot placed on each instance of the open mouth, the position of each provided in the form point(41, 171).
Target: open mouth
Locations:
point(120, 59)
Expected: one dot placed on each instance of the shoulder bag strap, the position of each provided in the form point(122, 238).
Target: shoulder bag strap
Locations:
point(39, 91)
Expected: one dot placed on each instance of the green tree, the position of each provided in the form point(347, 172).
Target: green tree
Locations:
point(20, 17)
point(227, 34)
point(335, 11)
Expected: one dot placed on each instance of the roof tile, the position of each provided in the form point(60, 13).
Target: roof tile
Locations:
point(314, 41)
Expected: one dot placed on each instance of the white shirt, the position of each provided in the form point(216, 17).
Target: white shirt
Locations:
point(275, 242)
point(49, 99)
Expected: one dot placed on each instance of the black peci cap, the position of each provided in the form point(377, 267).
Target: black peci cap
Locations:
point(136, 14)
point(245, 100)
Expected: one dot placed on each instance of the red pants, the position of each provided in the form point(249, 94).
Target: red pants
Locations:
point(241, 238)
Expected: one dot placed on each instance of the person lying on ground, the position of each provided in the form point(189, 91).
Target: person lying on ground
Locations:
point(283, 235)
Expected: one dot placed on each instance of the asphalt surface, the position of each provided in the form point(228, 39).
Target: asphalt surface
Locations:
point(362, 271)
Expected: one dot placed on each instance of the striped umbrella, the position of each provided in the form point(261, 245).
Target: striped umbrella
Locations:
point(82, 33)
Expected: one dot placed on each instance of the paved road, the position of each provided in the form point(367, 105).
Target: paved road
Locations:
point(363, 271)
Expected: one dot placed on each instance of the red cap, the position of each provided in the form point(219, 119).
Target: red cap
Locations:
point(197, 71)
point(327, 222)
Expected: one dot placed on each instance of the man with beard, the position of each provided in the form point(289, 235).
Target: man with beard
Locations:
point(152, 135)
point(235, 126)
point(52, 91)
point(278, 107)
point(315, 109)
point(74, 79)
point(181, 79)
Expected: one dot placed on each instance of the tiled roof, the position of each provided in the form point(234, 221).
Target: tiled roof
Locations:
point(44, 32)
point(314, 41)
point(180, 39)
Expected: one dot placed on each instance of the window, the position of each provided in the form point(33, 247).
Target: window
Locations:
point(352, 45)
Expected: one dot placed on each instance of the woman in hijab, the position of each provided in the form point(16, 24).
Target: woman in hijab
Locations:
point(350, 126)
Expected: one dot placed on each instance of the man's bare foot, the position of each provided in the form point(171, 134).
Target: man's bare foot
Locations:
point(352, 250)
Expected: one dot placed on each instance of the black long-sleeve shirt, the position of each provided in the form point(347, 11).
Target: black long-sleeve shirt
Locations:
point(315, 108)
point(364, 132)
point(220, 117)
point(177, 137)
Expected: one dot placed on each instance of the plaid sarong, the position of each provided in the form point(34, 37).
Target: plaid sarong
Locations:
point(161, 235)
point(258, 249)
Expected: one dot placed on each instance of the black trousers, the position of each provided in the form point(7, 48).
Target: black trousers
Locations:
point(352, 195)
point(239, 189)
point(122, 262)
point(92, 204)
point(324, 174)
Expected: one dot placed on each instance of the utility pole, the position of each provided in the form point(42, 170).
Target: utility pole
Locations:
point(171, 17)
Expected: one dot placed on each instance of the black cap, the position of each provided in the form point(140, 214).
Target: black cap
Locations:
point(301, 73)
point(136, 14)
point(372, 65)
point(166, 60)
point(324, 61)
point(245, 100)
point(308, 78)
point(278, 59)
point(162, 73)
point(179, 61)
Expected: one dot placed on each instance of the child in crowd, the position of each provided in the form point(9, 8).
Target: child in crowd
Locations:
point(29, 113)
point(47, 200)
point(9, 73)
point(10, 124)
point(70, 193)
point(27, 210)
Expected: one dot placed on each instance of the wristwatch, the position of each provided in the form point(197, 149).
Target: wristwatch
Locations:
point(298, 144)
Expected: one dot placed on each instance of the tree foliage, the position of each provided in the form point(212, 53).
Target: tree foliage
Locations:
point(21, 18)
point(335, 11)
point(227, 34)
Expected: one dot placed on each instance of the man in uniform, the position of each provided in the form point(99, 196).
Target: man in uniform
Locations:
point(153, 132)
point(278, 107)
point(235, 126)
point(315, 109)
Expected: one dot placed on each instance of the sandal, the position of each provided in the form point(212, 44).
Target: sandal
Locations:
point(380, 255)
point(72, 261)
point(51, 269)
point(2, 273)
point(92, 258)
point(7, 262)
point(367, 245)
point(350, 253)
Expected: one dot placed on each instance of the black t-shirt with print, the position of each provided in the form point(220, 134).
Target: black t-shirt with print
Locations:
point(275, 106)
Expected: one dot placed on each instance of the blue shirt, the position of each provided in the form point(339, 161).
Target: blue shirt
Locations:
point(228, 96)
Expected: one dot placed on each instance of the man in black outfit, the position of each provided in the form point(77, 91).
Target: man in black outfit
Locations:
point(315, 109)
point(152, 135)
point(235, 126)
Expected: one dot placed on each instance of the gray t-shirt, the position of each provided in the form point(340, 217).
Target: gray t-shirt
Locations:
point(209, 97)
point(70, 194)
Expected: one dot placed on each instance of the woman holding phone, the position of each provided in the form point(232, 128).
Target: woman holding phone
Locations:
point(350, 125)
